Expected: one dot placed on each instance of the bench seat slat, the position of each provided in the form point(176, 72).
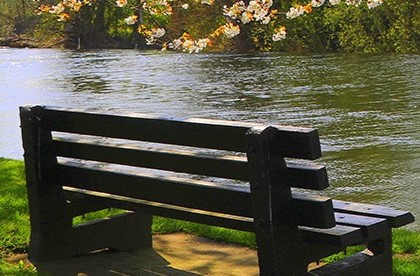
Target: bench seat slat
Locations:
point(395, 218)
point(339, 236)
point(300, 175)
point(229, 199)
point(371, 227)
point(295, 142)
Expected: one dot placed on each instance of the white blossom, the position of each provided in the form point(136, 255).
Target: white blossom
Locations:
point(121, 3)
point(334, 2)
point(231, 30)
point(317, 3)
point(280, 34)
point(158, 32)
point(266, 20)
point(131, 20)
point(353, 2)
point(374, 3)
point(246, 17)
point(207, 2)
point(59, 8)
point(295, 12)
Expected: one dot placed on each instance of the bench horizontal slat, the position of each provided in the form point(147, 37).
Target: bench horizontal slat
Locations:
point(79, 206)
point(312, 212)
point(170, 211)
point(395, 218)
point(307, 176)
point(339, 235)
point(228, 199)
point(371, 227)
point(148, 187)
point(294, 142)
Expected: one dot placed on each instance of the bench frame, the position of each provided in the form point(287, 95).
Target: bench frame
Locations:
point(292, 229)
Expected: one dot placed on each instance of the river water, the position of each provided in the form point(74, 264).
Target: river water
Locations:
point(366, 107)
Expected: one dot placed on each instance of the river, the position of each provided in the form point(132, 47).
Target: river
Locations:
point(366, 107)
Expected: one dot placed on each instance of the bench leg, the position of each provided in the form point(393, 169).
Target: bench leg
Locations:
point(125, 232)
point(50, 225)
point(376, 261)
point(278, 254)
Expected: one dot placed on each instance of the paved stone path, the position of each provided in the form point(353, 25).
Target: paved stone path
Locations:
point(172, 255)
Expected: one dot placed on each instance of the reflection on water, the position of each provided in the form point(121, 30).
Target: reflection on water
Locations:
point(365, 106)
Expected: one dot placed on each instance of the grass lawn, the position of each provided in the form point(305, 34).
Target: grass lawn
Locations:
point(15, 229)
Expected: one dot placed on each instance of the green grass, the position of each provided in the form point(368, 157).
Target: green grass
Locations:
point(14, 216)
point(15, 228)
point(164, 225)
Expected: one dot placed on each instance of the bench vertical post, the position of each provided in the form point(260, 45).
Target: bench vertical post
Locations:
point(52, 233)
point(275, 227)
point(49, 223)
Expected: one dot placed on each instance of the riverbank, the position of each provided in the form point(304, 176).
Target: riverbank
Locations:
point(25, 41)
point(15, 231)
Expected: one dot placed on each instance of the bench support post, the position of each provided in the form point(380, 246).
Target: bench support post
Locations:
point(52, 233)
point(274, 222)
point(376, 260)
point(50, 226)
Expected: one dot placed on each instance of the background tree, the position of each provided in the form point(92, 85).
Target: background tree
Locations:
point(392, 27)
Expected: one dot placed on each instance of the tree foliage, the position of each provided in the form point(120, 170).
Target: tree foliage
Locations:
point(391, 27)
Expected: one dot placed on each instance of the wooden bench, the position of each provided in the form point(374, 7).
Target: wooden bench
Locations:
point(222, 173)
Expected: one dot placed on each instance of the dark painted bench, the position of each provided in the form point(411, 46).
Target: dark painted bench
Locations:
point(221, 173)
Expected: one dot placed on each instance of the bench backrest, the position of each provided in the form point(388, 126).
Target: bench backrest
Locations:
point(206, 156)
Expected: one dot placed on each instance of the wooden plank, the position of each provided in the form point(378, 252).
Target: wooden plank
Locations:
point(358, 264)
point(395, 218)
point(124, 232)
point(78, 204)
point(294, 142)
point(166, 210)
point(230, 167)
point(227, 199)
point(307, 176)
point(299, 175)
point(339, 236)
point(371, 227)
point(314, 210)
point(169, 190)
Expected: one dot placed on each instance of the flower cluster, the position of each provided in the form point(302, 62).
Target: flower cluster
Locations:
point(131, 20)
point(152, 34)
point(317, 3)
point(257, 10)
point(299, 10)
point(186, 44)
point(62, 9)
point(158, 7)
point(230, 30)
point(374, 3)
point(121, 3)
point(206, 2)
point(353, 2)
point(279, 34)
